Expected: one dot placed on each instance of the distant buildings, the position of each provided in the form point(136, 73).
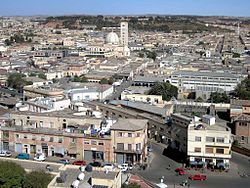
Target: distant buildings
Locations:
point(206, 81)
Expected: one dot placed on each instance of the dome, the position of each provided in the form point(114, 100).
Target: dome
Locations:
point(112, 38)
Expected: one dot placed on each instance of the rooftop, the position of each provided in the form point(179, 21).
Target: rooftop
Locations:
point(130, 124)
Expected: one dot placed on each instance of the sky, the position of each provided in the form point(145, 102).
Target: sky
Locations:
point(125, 7)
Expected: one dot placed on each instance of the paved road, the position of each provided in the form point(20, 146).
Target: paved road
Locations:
point(158, 168)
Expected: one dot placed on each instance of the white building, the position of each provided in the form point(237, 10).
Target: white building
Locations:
point(43, 105)
point(207, 81)
point(204, 142)
point(87, 93)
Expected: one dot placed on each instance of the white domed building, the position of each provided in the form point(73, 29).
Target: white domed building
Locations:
point(112, 38)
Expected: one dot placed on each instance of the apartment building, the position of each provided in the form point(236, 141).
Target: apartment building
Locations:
point(204, 80)
point(242, 128)
point(238, 107)
point(129, 140)
point(204, 141)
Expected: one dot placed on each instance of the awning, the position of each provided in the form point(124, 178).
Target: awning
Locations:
point(59, 150)
point(72, 151)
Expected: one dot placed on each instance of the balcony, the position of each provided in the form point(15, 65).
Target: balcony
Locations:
point(121, 150)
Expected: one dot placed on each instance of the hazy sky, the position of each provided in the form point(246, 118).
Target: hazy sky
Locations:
point(129, 7)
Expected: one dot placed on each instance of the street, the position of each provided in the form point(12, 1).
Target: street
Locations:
point(159, 164)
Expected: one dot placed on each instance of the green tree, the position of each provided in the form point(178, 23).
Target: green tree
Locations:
point(16, 81)
point(151, 55)
point(243, 89)
point(42, 76)
point(199, 99)
point(165, 89)
point(38, 179)
point(104, 81)
point(11, 175)
point(219, 97)
point(80, 78)
point(236, 55)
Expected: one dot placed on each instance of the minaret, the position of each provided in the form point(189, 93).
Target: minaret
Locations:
point(238, 29)
point(124, 33)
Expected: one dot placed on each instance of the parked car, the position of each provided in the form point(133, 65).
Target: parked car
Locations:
point(40, 157)
point(125, 166)
point(95, 164)
point(23, 156)
point(108, 166)
point(198, 177)
point(180, 171)
point(63, 161)
point(79, 163)
point(4, 153)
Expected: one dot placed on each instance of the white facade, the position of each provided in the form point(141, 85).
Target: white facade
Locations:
point(209, 145)
point(205, 81)
point(202, 142)
point(83, 94)
point(124, 33)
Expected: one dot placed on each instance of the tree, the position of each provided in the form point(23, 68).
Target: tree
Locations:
point(219, 97)
point(243, 89)
point(80, 78)
point(199, 99)
point(42, 76)
point(11, 174)
point(104, 81)
point(38, 179)
point(236, 55)
point(151, 55)
point(16, 81)
point(165, 89)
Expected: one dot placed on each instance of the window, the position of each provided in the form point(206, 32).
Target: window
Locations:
point(242, 138)
point(120, 146)
point(220, 139)
point(51, 139)
point(220, 151)
point(51, 124)
point(209, 150)
point(33, 137)
point(100, 143)
point(198, 150)
point(198, 139)
point(86, 141)
point(138, 134)
point(17, 135)
point(93, 142)
point(42, 138)
point(25, 136)
point(138, 146)
point(60, 140)
point(120, 134)
point(210, 139)
point(129, 134)
point(73, 140)
point(129, 147)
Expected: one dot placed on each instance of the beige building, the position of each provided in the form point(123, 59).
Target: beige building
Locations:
point(129, 140)
point(205, 142)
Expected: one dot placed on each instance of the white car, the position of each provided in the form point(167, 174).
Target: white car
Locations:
point(125, 166)
point(39, 157)
point(108, 166)
point(4, 153)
